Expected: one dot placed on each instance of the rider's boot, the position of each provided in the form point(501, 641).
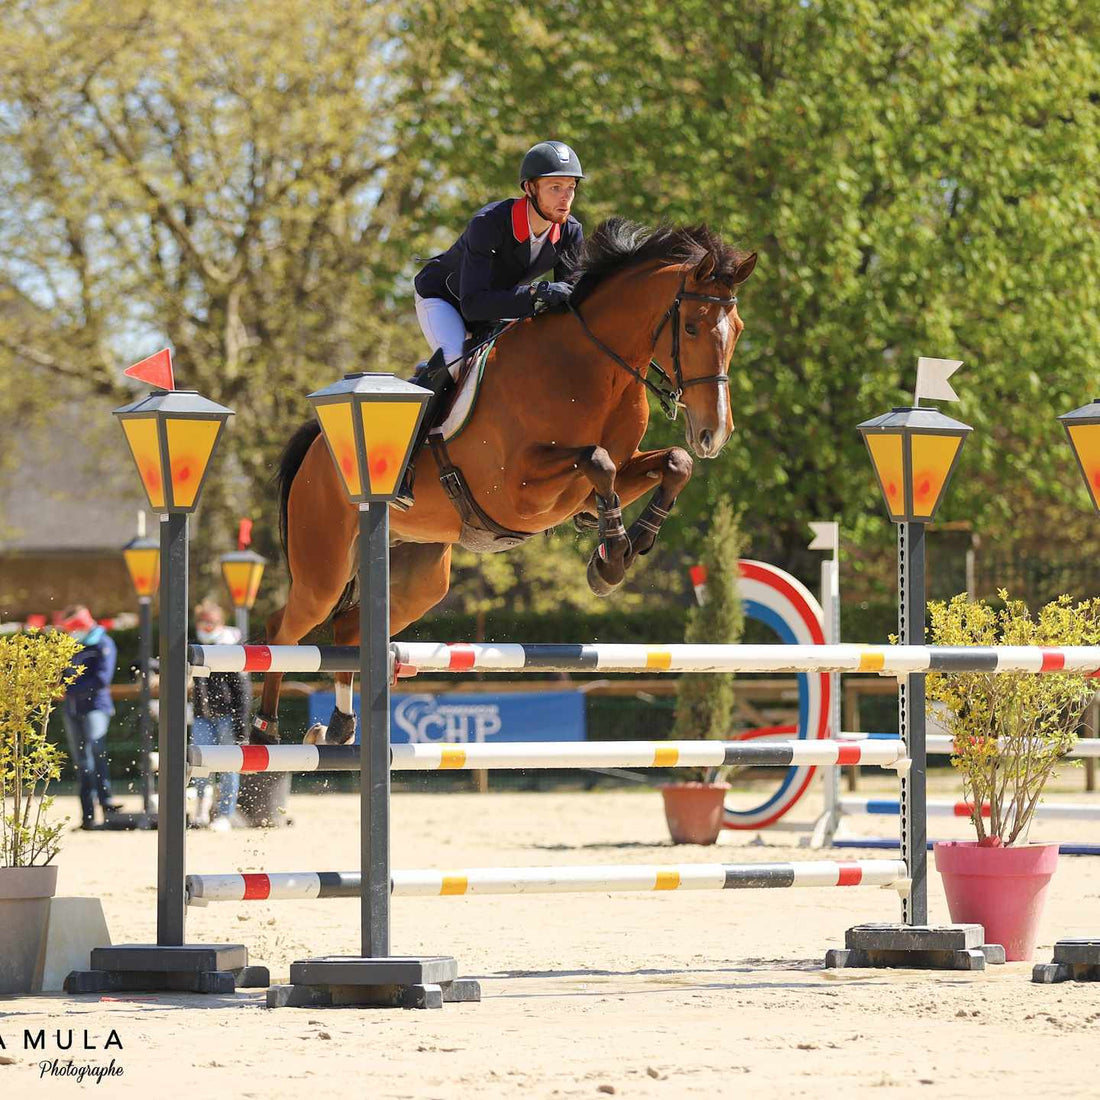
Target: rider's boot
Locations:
point(433, 376)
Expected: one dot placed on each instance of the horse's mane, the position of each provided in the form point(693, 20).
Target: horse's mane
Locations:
point(618, 244)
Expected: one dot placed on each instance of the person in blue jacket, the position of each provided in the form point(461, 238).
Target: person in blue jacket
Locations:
point(87, 710)
point(489, 273)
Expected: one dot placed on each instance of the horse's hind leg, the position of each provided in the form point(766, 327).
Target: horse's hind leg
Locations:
point(419, 578)
point(305, 609)
point(607, 566)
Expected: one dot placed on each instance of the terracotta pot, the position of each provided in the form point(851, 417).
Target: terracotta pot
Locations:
point(1002, 889)
point(25, 894)
point(694, 811)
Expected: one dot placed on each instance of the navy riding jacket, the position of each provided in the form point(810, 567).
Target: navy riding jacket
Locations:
point(486, 273)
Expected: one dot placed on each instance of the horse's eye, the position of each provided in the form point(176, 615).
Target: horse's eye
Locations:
point(691, 329)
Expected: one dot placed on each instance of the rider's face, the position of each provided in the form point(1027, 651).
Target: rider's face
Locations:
point(555, 196)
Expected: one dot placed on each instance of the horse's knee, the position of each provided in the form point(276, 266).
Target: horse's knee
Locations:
point(678, 468)
point(599, 467)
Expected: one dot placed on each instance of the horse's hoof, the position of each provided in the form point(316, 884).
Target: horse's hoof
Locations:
point(585, 521)
point(341, 728)
point(315, 735)
point(263, 731)
point(599, 586)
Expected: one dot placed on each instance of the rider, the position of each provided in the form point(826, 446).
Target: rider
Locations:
point(486, 275)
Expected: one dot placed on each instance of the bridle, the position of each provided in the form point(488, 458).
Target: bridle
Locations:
point(669, 392)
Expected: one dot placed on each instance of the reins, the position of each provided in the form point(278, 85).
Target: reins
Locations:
point(668, 394)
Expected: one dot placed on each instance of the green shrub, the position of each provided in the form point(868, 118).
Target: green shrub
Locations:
point(1010, 730)
point(33, 675)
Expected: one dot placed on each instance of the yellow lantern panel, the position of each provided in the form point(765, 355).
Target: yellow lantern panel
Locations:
point(886, 454)
point(1086, 442)
point(141, 435)
point(336, 424)
point(932, 457)
point(144, 568)
point(190, 444)
point(242, 578)
point(388, 428)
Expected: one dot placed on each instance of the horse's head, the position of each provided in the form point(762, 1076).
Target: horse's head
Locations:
point(696, 339)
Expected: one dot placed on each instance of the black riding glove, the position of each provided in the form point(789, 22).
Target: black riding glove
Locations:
point(548, 295)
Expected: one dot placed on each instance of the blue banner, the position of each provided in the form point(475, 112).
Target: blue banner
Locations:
point(459, 718)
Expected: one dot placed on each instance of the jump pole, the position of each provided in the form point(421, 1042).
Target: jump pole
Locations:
point(292, 886)
point(522, 755)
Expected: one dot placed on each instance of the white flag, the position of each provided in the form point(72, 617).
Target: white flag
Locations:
point(826, 536)
point(932, 376)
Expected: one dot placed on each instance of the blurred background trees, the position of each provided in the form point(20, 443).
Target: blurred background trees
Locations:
point(253, 183)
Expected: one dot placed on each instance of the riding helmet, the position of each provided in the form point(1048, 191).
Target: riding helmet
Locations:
point(549, 158)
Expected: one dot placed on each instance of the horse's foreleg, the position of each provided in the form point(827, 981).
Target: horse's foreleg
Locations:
point(341, 724)
point(671, 469)
point(607, 566)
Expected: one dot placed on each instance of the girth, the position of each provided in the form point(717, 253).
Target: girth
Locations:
point(474, 517)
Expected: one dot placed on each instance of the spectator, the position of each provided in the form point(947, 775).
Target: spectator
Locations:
point(87, 711)
point(221, 705)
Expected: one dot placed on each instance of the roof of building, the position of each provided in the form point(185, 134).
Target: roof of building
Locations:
point(71, 484)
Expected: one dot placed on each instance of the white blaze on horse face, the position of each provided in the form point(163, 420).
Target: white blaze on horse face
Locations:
point(725, 415)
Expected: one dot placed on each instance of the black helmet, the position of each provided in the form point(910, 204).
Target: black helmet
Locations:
point(549, 158)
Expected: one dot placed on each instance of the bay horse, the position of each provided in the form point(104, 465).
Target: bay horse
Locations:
point(554, 436)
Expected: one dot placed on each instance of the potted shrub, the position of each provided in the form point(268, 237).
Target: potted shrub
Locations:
point(33, 673)
point(704, 702)
point(1010, 733)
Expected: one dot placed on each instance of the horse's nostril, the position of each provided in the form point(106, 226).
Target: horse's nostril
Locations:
point(705, 437)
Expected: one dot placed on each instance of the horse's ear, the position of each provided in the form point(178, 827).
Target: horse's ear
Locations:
point(704, 268)
point(744, 269)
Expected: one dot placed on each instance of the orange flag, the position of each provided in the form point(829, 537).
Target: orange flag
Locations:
point(156, 370)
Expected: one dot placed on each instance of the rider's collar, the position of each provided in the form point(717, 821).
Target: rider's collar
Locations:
point(521, 223)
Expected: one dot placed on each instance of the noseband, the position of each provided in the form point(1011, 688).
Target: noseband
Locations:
point(670, 390)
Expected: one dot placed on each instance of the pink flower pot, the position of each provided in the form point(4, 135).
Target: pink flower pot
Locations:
point(1002, 889)
point(694, 811)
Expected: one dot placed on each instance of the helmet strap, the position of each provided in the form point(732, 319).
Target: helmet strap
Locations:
point(533, 198)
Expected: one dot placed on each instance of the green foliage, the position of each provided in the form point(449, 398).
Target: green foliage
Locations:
point(1010, 731)
point(705, 702)
point(919, 178)
point(240, 181)
point(253, 183)
point(32, 676)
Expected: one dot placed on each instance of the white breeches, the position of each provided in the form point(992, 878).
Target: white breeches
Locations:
point(443, 327)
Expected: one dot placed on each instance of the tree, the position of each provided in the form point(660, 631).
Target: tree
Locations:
point(704, 702)
point(919, 179)
point(241, 181)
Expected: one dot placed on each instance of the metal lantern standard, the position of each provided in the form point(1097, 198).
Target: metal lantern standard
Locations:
point(1078, 958)
point(242, 571)
point(172, 435)
point(142, 557)
point(369, 422)
point(1083, 432)
point(914, 451)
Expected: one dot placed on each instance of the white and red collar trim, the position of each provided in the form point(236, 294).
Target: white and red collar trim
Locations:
point(521, 223)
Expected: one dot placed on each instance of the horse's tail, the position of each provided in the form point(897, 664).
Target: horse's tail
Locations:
point(289, 462)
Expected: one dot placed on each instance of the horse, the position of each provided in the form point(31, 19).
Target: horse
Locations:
point(553, 437)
